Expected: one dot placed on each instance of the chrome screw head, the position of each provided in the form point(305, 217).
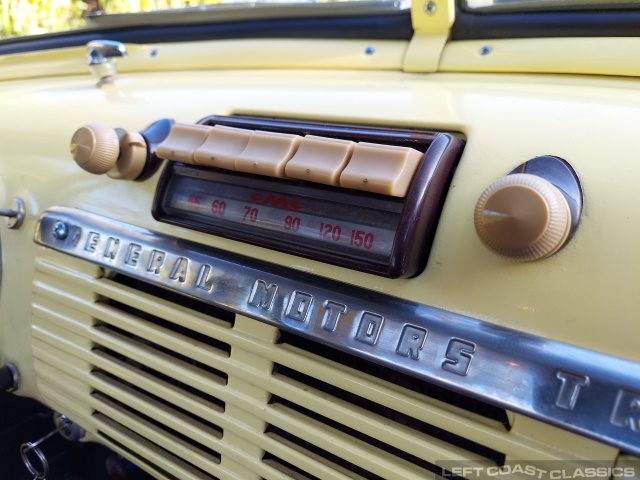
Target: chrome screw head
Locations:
point(486, 50)
point(369, 51)
point(430, 7)
point(60, 231)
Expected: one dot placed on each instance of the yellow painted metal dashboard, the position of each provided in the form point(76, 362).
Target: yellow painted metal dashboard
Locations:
point(137, 368)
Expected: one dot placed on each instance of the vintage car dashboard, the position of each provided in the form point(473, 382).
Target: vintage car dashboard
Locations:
point(220, 314)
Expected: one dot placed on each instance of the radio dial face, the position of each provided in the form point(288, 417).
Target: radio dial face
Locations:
point(322, 222)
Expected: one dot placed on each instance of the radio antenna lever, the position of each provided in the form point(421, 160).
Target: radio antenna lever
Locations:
point(66, 428)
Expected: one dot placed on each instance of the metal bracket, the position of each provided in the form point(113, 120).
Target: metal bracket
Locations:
point(432, 21)
point(102, 58)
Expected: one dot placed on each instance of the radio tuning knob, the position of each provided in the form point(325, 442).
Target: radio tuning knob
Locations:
point(523, 217)
point(98, 148)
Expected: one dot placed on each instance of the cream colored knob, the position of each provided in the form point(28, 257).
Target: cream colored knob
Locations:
point(95, 147)
point(522, 217)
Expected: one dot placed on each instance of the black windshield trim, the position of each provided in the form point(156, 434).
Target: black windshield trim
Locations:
point(583, 23)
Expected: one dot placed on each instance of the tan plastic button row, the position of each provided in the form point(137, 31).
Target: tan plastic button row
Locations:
point(384, 169)
point(364, 166)
point(263, 153)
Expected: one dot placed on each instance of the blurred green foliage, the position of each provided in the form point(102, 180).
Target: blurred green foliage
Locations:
point(30, 17)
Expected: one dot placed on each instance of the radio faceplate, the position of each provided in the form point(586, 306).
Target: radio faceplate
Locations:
point(380, 234)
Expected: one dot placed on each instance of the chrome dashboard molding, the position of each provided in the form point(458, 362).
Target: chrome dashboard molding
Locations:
point(583, 391)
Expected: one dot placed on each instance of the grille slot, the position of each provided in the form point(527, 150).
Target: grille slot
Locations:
point(181, 330)
point(286, 468)
point(398, 378)
point(209, 429)
point(167, 438)
point(220, 377)
point(141, 375)
point(173, 297)
point(394, 416)
point(192, 391)
point(139, 446)
point(313, 451)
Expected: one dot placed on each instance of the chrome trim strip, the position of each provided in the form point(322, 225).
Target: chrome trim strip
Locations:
point(580, 390)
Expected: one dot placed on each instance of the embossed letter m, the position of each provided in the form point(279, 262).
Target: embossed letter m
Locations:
point(262, 295)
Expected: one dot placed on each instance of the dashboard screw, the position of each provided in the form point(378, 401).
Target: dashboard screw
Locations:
point(430, 7)
point(486, 50)
point(60, 231)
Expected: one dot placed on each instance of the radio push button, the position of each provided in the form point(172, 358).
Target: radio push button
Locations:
point(267, 153)
point(320, 159)
point(222, 147)
point(384, 169)
point(182, 142)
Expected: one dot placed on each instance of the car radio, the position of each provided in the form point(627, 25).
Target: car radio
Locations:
point(367, 198)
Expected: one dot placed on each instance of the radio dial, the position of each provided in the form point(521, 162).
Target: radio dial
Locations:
point(523, 217)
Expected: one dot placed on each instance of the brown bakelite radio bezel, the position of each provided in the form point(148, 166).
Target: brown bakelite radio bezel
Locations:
point(420, 209)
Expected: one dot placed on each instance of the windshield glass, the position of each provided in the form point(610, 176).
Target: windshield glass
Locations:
point(32, 17)
point(525, 5)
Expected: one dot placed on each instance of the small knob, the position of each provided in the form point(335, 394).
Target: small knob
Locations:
point(9, 378)
point(523, 217)
point(98, 148)
point(95, 147)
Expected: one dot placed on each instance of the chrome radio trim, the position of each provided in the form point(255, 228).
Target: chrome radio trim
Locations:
point(583, 391)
